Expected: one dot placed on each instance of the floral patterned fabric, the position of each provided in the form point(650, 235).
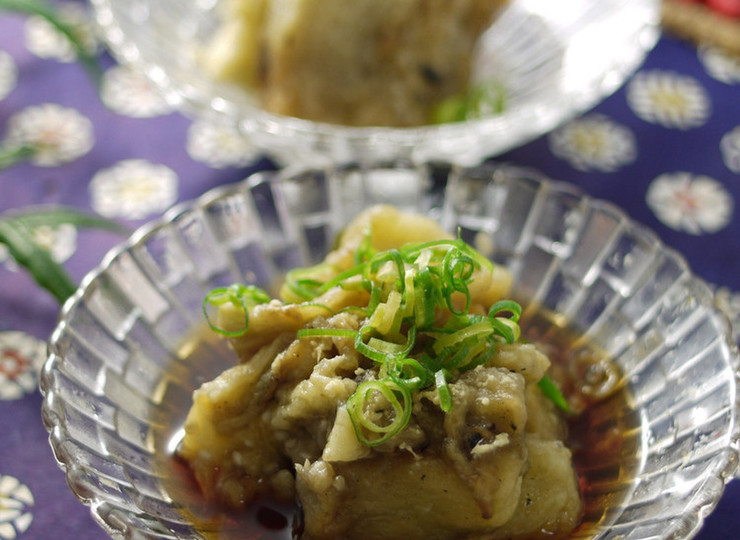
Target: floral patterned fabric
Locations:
point(666, 147)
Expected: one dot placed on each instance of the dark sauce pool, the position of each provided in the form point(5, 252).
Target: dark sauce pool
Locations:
point(605, 439)
point(267, 519)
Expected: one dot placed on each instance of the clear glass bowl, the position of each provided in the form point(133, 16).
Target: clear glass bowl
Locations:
point(129, 348)
point(554, 60)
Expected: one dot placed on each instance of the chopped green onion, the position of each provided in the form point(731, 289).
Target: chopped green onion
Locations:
point(386, 319)
point(343, 280)
point(365, 250)
point(326, 332)
point(483, 328)
point(303, 282)
point(366, 411)
point(458, 272)
point(553, 393)
point(506, 306)
point(485, 99)
point(417, 326)
point(379, 269)
point(425, 301)
point(480, 356)
point(443, 389)
point(506, 328)
point(380, 350)
point(451, 109)
point(321, 306)
point(241, 296)
point(411, 373)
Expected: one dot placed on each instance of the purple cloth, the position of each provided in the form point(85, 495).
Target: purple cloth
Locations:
point(656, 164)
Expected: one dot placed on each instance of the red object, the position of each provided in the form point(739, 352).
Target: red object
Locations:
point(730, 8)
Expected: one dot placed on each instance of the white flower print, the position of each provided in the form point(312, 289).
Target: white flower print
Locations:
point(16, 501)
point(729, 146)
point(58, 134)
point(8, 74)
point(690, 203)
point(594, 143)
point(60, 242)
point(130, 93)
point(21, 358)
point(133, 189)
point(668, 99)
point(45, 41)
point(720, 65)
point(218, 145)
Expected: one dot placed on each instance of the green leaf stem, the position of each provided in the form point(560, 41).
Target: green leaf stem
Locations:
point(49, 12)
point(16, 233)
point(46, 271)
point(53, 216)
point(12, 155)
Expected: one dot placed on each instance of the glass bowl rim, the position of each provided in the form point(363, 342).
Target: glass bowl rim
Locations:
point(521, 124)
point(725, 469)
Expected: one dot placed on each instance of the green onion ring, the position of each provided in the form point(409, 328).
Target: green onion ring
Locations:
point(356, 408)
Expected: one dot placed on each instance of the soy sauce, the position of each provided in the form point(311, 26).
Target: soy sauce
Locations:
point(605, 439)
point(604, 435)
point(264, 520)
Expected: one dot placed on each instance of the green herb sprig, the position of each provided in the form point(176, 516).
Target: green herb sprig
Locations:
point(242, 296)
point(16, 233)
point(49, 12)
point(483, 99)
point(12, 155)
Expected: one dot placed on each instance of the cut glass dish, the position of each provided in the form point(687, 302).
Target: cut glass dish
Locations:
point(130, 347)
point(552, 60)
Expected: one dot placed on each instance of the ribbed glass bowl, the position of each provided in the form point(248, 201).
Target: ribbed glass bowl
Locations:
point(553, 60)
point(130, 347)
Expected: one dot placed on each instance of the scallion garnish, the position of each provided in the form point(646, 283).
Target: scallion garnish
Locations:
point(326, 332)
point(553, 393)
point(417, 326)
point(378, 410)
point(240, 296)
point(481, 100)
